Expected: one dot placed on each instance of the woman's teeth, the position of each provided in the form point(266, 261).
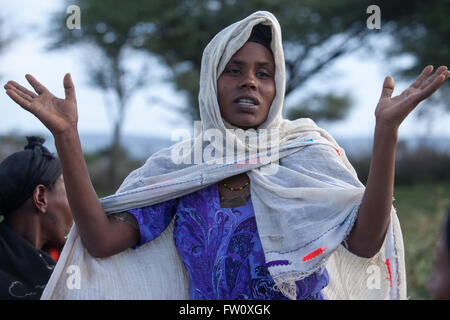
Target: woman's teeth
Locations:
point(246, 102)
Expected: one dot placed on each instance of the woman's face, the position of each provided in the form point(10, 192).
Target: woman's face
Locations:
point(59, 215)
point(246, 88)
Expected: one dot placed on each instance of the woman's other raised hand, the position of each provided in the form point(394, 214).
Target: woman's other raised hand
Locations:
point(391, 111)
point(58, 115)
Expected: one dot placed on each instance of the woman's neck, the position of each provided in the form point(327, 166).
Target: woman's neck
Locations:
point(236, 197)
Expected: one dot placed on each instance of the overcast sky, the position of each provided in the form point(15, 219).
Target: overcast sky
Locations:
point(361, 75)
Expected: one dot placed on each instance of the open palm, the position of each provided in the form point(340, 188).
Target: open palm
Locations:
point(392, 111)
point(58, 115)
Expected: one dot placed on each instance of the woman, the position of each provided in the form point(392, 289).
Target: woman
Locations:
point(35, 218)
point(304, 209)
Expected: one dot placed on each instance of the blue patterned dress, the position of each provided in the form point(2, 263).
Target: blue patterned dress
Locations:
point(220, 248)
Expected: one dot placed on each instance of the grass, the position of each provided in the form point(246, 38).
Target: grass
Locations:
point(421, 210)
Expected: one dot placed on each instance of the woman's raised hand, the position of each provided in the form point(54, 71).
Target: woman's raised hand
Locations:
point(391, 112)
point(58, 115)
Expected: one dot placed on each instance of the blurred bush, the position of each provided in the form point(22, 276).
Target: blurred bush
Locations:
point(97, 162)
point(98, 168)
point(421, 211)
point(422, 164)
point(10, 144)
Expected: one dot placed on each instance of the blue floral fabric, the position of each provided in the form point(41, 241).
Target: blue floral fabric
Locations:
point(220, 248)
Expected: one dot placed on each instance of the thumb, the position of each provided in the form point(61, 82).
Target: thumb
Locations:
point(388, 88)
point(69, 88)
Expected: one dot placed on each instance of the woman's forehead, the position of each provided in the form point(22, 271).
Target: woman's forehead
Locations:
point(252, 52)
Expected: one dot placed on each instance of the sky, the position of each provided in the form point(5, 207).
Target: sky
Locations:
point(359, 74)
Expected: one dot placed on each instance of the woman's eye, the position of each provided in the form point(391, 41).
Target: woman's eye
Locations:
point(233, 71)
point(262, 74)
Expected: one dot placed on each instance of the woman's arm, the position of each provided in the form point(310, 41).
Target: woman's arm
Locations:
point(367, 236)
point(102, 236)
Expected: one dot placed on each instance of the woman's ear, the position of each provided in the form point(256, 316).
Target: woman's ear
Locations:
point(39, 198)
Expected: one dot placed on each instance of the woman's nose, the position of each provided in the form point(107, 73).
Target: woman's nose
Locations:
point(248, 81)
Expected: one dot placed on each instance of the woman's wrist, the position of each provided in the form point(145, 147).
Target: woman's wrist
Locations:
point(386, 130)
point(66, 135)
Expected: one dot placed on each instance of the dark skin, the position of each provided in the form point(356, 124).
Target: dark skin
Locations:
point(104, 236)
point(439, 282)
point(45, 218)
point(250, 74)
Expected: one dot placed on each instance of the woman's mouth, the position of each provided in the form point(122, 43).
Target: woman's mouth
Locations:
point(247, 104)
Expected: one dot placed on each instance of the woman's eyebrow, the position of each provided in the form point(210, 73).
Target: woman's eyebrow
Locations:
point(238, 62)
point(264, 64)
point(259, 64)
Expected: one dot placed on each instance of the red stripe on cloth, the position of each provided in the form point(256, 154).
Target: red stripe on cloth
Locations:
point(389, 278)
point(314, 254)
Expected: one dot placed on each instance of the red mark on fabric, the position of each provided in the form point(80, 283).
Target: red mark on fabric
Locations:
point(54, 253)
point(389, 278)
point(242, 163)
point(314, 254)
point(338, 152)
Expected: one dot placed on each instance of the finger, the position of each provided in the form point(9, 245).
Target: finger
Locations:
point(429, 90)
point(388, 88)
point(422, 77)
point(446, 74)
point(21, 88)
point(19, 100)
point(442, 70)
point(69, 88)
point(38, 87)
point(21, 94)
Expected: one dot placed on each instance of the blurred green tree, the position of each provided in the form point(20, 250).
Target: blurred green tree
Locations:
point(321, 106)
point(106, 32)
point(314, 33)
point(421, 30)
point(6, 36)
point(177, 31)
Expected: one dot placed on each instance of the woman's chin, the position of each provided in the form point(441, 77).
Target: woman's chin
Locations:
point(246, 122)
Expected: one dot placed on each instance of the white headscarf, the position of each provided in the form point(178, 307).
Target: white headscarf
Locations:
point(306, 197)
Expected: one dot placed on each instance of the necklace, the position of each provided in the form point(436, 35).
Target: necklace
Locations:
point(236, 189)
